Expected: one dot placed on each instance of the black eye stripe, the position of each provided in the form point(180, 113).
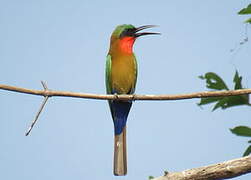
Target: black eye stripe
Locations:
point(128, 32)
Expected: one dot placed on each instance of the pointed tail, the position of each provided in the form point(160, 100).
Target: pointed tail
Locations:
point(120, 159)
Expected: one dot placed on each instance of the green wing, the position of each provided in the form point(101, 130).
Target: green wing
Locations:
point(136, 74)
point(108, 70)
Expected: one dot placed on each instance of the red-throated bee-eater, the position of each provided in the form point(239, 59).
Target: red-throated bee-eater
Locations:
point(121, 77)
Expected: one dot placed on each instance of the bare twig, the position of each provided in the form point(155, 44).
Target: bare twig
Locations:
point(126, 97)
point(224, 170)
point(44, 85)
point(40, 109)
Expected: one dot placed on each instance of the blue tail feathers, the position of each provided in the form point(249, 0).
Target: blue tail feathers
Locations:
point(120, 111)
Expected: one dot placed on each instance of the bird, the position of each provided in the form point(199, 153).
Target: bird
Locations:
point(120, 78)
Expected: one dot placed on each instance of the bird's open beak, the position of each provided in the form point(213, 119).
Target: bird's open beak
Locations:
point(144, 33)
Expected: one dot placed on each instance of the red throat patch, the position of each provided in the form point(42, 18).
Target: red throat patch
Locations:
point(126, 44)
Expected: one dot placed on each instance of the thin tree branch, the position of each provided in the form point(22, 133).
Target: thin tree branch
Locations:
point(40, 109)
point(51, 93)
point(37, 115)
point(44, 85)
point(224, 170)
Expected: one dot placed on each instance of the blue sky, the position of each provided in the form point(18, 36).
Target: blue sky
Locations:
point(65, 44)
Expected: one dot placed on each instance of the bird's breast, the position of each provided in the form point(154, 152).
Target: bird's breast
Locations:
point(123, 74)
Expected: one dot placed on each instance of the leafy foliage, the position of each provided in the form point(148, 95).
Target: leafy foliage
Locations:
point(215, 82)
point(243, 131)
point(246, 11)
point(248, 21)
point(248, 151)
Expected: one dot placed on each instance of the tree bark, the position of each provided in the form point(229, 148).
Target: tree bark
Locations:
point(223, 170)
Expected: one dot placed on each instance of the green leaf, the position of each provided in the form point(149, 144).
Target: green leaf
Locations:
point(241, 131)
point(214, 81)
point(225, 102)
point(231, 101)
point(248, 151)
point(248, 21)
point(238, 100)
point(237, 80)
point(204, 101)
point(150, 177)
point(221, 104)
point(246, 10)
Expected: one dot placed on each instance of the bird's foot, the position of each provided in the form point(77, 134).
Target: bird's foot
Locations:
point(133, 97)
point(116, 96)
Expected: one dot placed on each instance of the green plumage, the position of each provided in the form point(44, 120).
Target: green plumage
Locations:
point(108, 67)
point(121, 77)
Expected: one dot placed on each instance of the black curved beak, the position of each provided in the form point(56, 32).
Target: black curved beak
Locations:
point(144, 33)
